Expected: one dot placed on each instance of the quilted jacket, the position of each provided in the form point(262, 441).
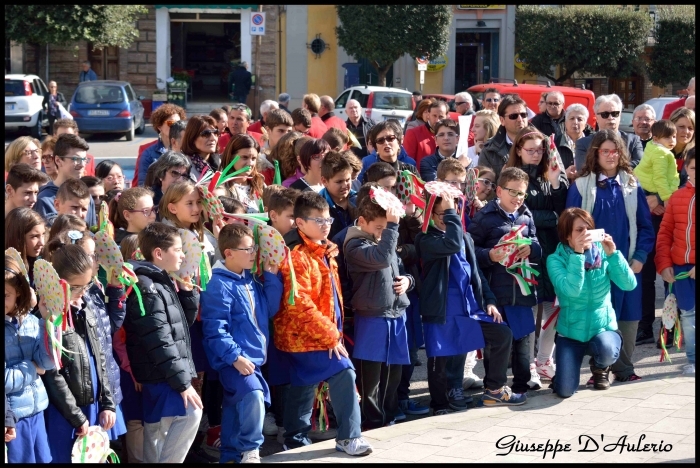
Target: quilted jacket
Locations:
point(675, 243)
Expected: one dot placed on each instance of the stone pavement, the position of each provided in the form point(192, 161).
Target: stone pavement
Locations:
point(660, 412)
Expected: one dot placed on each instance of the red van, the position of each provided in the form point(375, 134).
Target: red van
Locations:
point(530, 93)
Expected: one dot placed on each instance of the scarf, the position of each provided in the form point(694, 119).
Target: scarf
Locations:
point(200, 164)
point(593, 258)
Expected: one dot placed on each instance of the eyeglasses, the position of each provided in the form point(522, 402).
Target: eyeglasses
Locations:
point(321, 221)
point(177, 175)
point(387, 139)
point(318, 157)
point(146, 211)
point(493, 100)
point(29, 152)
point(533, 151)
point(206, 133)
point(446, 135)
point(554, 104)
point(75, 159)
point(605, 115)
point(643, 120)
point(112, 178)
point(460, 103)
point(47, 157)
point(79, 290)
point(456, 183)
point(249, 250)
point(606, 152)
point(515, 193)
point(439, 215)
point(522, 115)
point(487, 183)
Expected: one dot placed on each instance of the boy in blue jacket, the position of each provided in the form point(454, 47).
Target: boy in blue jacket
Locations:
point(236, 310)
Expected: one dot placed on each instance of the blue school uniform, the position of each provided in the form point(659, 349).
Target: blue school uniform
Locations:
point(684, 289)
point(414, 325)
point(381, 339)
point(161, 401)
point(31, 443)
point(461, 333)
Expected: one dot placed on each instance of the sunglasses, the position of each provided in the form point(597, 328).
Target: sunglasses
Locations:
point(522, 115)
point(605, 115)
point(515, 193)
point(493, 100)
point(170, 123)
point(606, 152)
point(387, 139)
point(178, 175)
point(554, 104)
point(206, 133)
point(460, 103)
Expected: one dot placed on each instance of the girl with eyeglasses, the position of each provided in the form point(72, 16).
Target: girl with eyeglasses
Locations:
point(24, 149)
point(608, 190)
point(199, 144)
point(248, 186)
point(310, 159)
point(131, 212)
point(162, 119)
point(24, 231)
point(485, 186)
point(111, 174)
point(547, 189)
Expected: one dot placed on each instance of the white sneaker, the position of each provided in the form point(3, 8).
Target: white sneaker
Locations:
point(356, 446)
point(534, 383)
point(546, 370)
point(269, 425)
point(471, 380)
point(688, 369)
point(280, 435)
point(251, 456)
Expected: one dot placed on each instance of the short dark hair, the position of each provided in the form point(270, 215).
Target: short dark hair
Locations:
point(380, 170)
point(690, 156)
point(335, 137)
point(334, 163)
point(66, 141)
point(310, 148)
point(66, 222)
point(449, 123)
point(301, 116)
point(23, 173)
point(391, 124)
point(283, 200)
point(370, 210)
point(663, 129)
point(491, 90)
point(509, 100)
point(566, 222)
point(269, 191)
point(307, 202)
point(103, 169)
point(70, 260)
point(73, 188)
point(512, 173)
point(156, 235)
point(177, 130)
point(92, 181)
point(232, 206)
point(277, 117)
point(439, 103)
point(231, 236)
point(364, 190)
point(15, 279)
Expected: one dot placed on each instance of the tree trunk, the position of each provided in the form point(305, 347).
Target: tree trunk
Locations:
point(37, 58)
point(382, 72)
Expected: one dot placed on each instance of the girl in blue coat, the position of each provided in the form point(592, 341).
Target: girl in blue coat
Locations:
point(608, 190)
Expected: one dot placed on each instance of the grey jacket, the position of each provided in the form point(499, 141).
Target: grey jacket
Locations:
point(372, 266)
point(495, 152)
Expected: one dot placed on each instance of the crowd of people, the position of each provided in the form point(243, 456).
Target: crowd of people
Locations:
point(249, 348)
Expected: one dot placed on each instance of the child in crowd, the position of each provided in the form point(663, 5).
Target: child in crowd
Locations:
point(290, 160)
point(336, 176)
point(26, 358)
point(232, 207)
point(278, 124)
point(96, 188)
point(267, 193)
point(314, 346)
point(281, 210)
point(336, 138)
point(379, 303)
point(675, 254)
point(302, 121)
point(236, 311)
point(80, 394)
point(356, 165)
point(657, 171)
point(67, 222)
point(495, 220)
point(131, 211)
point(311, 157)
point(248, 186)
point(22, 186)
point(73, 197)
point(158, 347)
point(24, 232)
point(128, 247)
point(486, 184)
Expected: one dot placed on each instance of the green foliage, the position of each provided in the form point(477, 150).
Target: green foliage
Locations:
point(103, 25)
point(595, 39)
point(673, 55)
point(384, 33)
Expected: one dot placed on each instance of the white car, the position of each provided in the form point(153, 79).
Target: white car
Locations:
point(24, 95)
point(659, 104)
point(378, 102)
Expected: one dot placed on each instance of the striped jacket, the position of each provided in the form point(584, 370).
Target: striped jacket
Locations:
point(675, 243)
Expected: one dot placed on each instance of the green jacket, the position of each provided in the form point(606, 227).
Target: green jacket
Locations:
point(657, 171)
point(584, 296)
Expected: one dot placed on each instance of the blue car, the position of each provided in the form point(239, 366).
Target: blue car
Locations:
point(107, 106)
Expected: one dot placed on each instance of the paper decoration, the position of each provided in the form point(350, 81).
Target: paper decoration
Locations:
point(465, 121)
point(520, 269)
point(56, 293)
point(18, 258)
point(107, 253)
point(670, 319)
point(213, 207)
point(254, 218)
point(554, 157)
point(93, 447)
point(103, 222)
point(434, 190)
point(409, 184)
point(386, 200)
point(272, 245)
point(196, 263)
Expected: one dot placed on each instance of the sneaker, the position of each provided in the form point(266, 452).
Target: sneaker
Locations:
point(318, 434)
point(546, 370)
point(590, 382)
point(644, 337)
point(534, 382)
point(214, 437)
point(503, 397)
point(269, 425)
point(442, 412)
point(400, 415)
point(471, 380)
point(411, 407)
point(357, 446)
point(688, 369)
point(251, 456)
point(457, 400)
point(280, 435)
point(631, 378)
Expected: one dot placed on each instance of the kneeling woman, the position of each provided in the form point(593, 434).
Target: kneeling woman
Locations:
point(581, 272)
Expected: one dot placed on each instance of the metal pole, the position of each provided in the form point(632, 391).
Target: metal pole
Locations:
point(257, 70)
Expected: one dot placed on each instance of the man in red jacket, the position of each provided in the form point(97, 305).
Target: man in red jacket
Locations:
point(420, 141)
point(326, 114)
point(671, 106)
point(265, 107)
point(312, 103)
point(62, 126)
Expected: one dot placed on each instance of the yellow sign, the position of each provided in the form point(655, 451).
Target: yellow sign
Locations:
point(481, 7)
point(519, 63)
point(437, 64)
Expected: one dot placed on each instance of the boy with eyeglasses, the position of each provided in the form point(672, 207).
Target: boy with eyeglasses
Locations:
point(22, 186)
point(236, 310)
point(446, 138)
point(498, 218)
point(309, 331)
point(70, 156)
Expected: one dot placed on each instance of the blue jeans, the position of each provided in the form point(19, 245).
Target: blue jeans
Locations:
point(604, 348)
point(455, 370)
point(299, 405)
point(688, 324)
point(241, 427)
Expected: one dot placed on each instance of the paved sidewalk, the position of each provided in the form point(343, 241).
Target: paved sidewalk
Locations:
point(663, 411)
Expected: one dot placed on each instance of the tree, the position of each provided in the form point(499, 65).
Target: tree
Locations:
point(595, 39)
point(673, 55)
point(384, 33)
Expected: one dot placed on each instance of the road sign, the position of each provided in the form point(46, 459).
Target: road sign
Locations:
point(422, 60)
point(257, 24)
point(422, 66)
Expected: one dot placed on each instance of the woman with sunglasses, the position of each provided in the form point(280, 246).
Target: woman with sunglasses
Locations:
point(386, 138)
point(547, 188)
point(199, 145)
point(310, 159)
point(162, 119)
point(131, 212)
point(608, 190)
point(111, 174)
point(170, 168)
point(248, 186)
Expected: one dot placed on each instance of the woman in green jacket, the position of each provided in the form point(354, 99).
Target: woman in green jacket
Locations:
point(581, 271)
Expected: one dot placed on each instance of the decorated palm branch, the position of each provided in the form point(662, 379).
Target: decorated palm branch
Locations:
point(195, 270)
point(434, 190)
point(555, 161)
point(472, 189)
point(386, 200)
point(670, 319)
point(273, 250)
point(520, 269)
point(110, 258)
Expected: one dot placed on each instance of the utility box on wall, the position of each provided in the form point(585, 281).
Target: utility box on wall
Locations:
point(352, 75)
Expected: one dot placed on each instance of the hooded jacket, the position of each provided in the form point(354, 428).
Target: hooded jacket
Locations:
point(657, 172)
point(45, 204)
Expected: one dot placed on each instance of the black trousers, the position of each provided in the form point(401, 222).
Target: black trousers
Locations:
point(648, 284)
point(377, 383)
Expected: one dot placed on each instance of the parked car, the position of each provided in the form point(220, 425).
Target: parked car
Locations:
point(24, 95)
point(105, 106)
point(379, 103)
point(659, 104)
point(626, 120)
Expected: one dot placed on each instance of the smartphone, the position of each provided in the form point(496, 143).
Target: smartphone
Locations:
point(597, 235)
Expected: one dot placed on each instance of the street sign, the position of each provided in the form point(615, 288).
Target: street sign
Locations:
point(422, 77)
point(422, 66)
point(422, 60)
point(257, 24)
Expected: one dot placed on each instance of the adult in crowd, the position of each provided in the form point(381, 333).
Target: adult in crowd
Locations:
point(485, 124)
point(199, 145)
point(542, 104)
point(375, 156)
point(575, 128)
point(24, 149)
point(420, 115)
point(359, 125)
point(583, 273)
point(62, 126)
point(221, 117)
point(549, 121)
point(312, 103)
point(672, 106)
point(417, 96)
point(242, 80)
point(162, 119)
point(491, 99)
point(387, 137)
point(88, 74)
point(690, 103)
point(283, 101)
point(684, 120)
point(643, 118)
point(446, 136)
point(50, 104)
point(171, 167)
point(239, 117)
point(609, 191)
point(512, 112)
point(265, 107)
point(464, 104)
point(47, 147)
point(608, 108)
point(326, 114)
point(111, 174)
point(419, 142)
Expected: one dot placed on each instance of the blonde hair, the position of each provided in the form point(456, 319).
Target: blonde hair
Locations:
point(491, 122)
point(15, 150)
point(174, 194)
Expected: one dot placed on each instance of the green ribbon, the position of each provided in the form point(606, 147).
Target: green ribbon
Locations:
point(277, 180)
point(292, 277)
point(84, 449)
point(131, 283)
point(679, 276)
point(203, 272)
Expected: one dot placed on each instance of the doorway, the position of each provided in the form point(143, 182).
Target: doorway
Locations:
point(105, 62)
point(476, 58)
